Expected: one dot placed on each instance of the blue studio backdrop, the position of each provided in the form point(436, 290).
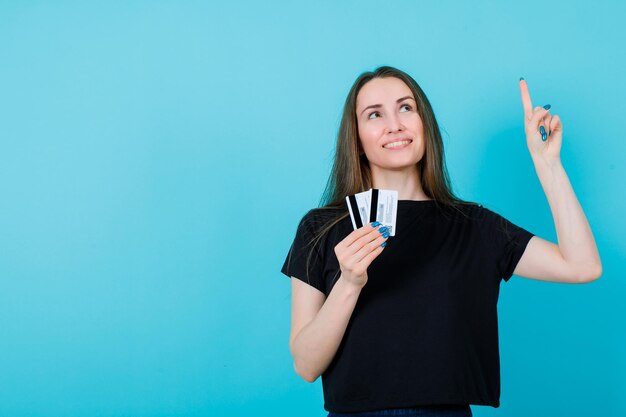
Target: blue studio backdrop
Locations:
point(156, 157)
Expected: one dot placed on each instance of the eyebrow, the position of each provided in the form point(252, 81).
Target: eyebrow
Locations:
point(380, 105)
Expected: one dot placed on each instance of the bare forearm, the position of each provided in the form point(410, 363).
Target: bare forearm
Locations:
point(317, 343)
point(576, 241)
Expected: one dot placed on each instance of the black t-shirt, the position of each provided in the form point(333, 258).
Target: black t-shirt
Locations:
point(424, 330)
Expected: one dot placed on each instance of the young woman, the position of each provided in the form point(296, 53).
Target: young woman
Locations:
point(407, 324)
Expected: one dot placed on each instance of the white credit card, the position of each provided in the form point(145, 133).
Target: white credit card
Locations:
point(384, 208)
point(374, 205)
point(359, 203)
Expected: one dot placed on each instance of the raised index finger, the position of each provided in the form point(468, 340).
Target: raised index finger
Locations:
point(528, 105)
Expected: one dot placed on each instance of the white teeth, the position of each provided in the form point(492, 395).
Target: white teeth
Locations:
point(394, 144)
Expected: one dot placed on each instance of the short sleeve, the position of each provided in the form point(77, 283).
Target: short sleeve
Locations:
point(305, 259)
point(506, 239)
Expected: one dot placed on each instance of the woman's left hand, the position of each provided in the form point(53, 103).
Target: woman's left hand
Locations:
point(534, 120)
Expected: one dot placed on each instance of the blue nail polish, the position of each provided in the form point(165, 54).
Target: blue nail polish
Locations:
point(386, 234)
point(383, 244)
point(374, 224)
point(547, 107)
point(544, 137)
point(542, 130)
point(383, 229)
point(521, 78)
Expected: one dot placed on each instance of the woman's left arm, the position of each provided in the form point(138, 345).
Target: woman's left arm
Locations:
point(577, 258)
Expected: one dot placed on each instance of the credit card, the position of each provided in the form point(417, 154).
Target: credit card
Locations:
point(360, 204)
point(384, 208)
point(374, 205)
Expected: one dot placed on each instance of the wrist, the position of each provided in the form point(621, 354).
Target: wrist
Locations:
point(349, 287)
point(542, 162)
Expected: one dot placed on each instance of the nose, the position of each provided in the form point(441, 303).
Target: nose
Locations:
point(393, 123)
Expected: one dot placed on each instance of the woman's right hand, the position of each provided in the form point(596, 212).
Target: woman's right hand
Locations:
point(356, 252)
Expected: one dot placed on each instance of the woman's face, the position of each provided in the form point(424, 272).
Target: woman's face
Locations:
point(386, 112)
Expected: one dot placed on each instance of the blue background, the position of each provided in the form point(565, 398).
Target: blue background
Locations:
point(155, 158)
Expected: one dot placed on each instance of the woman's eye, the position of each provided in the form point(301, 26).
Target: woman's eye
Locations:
point(404, 105)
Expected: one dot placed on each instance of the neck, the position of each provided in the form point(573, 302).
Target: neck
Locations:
point(405, 180)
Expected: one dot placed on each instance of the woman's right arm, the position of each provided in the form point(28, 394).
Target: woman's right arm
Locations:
point(318, 325)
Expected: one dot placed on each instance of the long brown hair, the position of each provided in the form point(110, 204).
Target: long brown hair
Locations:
point(351, 172)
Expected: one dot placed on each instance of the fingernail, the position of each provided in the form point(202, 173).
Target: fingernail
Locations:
point(374, 224)
point(542, 130)
point(521, 78)
point(383, 229)
point(386, 234)
point(544, 137)
point(383, 244)
point(547, 107)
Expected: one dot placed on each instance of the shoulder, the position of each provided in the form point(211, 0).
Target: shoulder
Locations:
point(486, 217)
point(316, 218)
point(494, 224)
point(478, 215)
point(478, 211)
point(464, 211)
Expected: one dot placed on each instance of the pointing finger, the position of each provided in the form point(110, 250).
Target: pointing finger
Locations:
point(528, 105)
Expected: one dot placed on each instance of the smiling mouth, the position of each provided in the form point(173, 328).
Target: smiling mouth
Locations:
point(398, 144)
